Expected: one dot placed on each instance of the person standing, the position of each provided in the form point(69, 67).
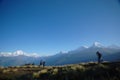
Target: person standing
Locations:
point(99, 55)
point(41, 62)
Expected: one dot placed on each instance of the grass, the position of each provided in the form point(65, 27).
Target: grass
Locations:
point(82, 71)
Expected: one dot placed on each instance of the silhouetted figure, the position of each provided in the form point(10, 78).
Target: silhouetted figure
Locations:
point(43, 63)
point(99, 56)
point(33, 63)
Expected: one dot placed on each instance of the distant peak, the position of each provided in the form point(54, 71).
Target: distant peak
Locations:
point(19, 52)
point(97, 44)
point(85, 46)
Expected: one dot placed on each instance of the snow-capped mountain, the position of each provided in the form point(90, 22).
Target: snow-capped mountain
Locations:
point(78, 49)
point(97, 45)
point(85, 54)
point(81, 54)
point(82, 48)
point(18, 53)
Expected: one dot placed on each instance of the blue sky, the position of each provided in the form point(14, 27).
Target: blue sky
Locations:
point(50, 26)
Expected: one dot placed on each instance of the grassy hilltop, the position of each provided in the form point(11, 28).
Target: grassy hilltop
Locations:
point(83, 71)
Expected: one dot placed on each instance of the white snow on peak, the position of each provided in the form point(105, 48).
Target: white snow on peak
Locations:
point(78, 49)
point(18, 53)
point(97, 44)
point(5, 54)
point(81, 48)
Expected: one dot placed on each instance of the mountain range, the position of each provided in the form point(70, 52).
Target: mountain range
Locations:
point(81, 54)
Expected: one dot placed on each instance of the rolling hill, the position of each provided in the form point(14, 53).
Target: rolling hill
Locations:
point(81, 71)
